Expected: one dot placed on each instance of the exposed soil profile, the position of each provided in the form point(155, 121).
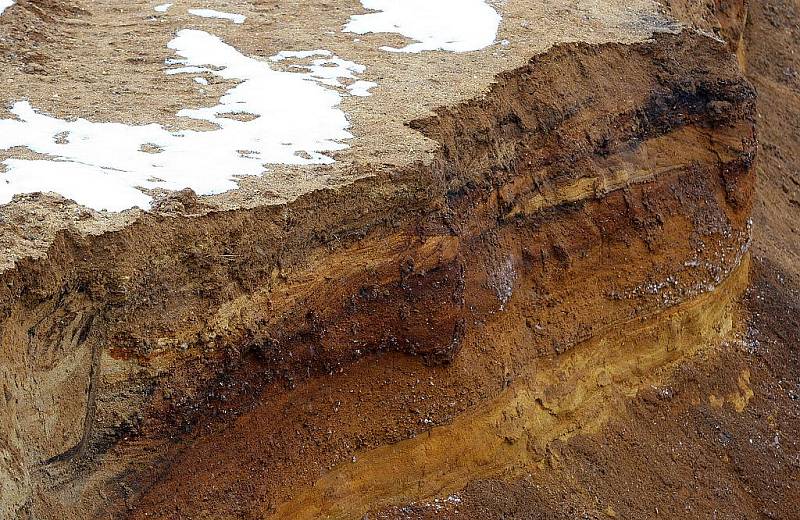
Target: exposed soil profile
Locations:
point(549, 274)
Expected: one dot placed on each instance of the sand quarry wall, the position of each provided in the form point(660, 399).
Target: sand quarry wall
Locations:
point(593, 187)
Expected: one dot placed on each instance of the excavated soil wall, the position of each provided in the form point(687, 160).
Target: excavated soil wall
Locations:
point(594, 186)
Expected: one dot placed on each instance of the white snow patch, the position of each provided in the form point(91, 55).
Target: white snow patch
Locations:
point(5, 4)
point(163, 8)
point(211, 13)
point(329, 70)
point(361, 88)
point(450, 25)
point(291, 119)
point(202, 81)
point(284, 55)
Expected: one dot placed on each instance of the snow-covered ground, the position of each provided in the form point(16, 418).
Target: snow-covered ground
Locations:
point(450, 25)
point(211, 13)
point(292, 119)
point(289, 116)
point(5, 4)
